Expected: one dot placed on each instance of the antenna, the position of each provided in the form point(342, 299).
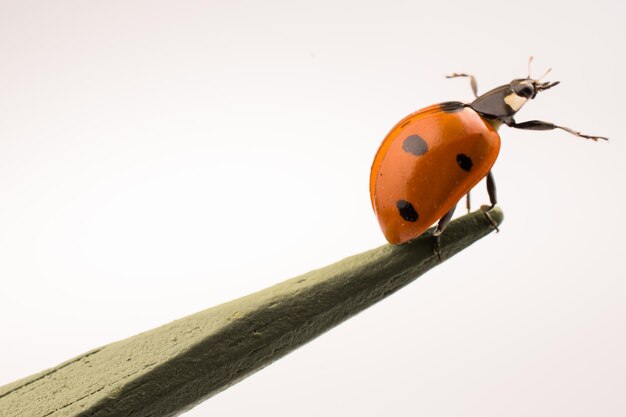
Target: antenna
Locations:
point(546, 73)
point(529, 62)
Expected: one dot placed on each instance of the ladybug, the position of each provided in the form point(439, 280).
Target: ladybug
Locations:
point(435, 156)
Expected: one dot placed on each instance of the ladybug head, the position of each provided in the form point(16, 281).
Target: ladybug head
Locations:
point(528, 88)
point(503, 102)
point(523, 89)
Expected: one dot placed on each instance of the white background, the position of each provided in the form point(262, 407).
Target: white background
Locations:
point(158, 158)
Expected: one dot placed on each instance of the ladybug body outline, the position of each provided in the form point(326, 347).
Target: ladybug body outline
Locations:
point(433, 157)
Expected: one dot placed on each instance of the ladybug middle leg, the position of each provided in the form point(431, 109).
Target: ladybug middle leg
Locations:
point(493, 199)
point(443, 222)
point(491, 190)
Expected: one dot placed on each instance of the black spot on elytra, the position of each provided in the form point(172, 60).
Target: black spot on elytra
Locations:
point(464, 161)
point(415, 144)
point(452, 106)
point(407, 211)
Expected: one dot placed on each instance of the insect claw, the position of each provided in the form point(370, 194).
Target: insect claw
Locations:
point(437, 246)
point(593, 138)
point(492, 223)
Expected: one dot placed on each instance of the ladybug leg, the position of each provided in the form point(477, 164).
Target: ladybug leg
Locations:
point(443, 222)
point(491, 190)
point(493, 199)
point(540, 125)
point(473, 82)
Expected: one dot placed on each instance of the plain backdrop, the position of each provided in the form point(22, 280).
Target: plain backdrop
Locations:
point(160, 157)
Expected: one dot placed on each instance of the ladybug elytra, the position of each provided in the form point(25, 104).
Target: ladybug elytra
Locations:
point(435, 156)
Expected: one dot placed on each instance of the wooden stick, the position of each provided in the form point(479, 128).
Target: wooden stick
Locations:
point(168, 370)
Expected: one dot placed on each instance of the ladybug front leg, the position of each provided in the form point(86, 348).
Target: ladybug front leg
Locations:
point(443, 222)
point(540, 125)
point(473, 82)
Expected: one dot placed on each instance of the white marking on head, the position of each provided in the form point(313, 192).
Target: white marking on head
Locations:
point(514, 101)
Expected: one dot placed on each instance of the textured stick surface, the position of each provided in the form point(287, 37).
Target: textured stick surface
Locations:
point(167, 370)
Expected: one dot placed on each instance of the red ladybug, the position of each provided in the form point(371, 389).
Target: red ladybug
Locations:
point(435, 156)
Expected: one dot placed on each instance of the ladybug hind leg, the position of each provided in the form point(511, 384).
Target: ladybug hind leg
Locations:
point(443, 222)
